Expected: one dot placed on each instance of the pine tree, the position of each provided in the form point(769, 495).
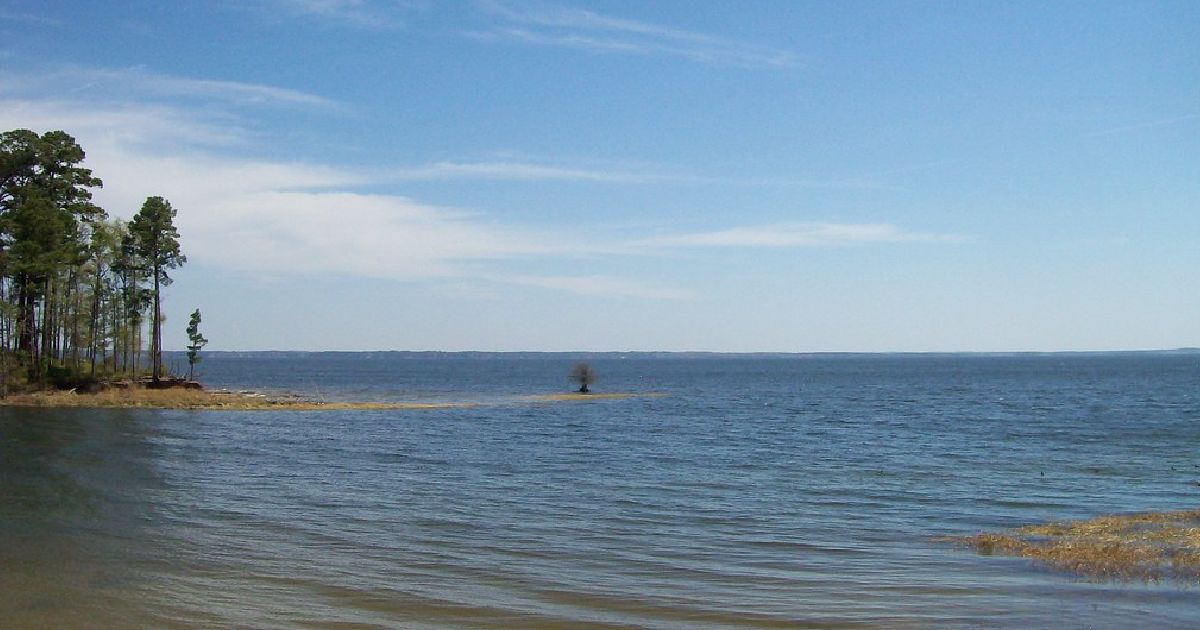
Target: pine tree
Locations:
point(196, 343)
point(157, 243)
point(45, 214)
point(75, 289)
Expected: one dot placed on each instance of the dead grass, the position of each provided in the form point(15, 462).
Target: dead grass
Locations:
point(1145, 547)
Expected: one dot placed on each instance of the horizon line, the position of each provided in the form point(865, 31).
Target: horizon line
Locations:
point(732, 353)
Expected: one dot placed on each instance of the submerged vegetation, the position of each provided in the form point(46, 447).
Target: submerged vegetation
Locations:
point(77, 289)
point(1149, 546)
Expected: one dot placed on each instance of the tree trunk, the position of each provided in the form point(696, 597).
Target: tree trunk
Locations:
point(4, 334)
point(156, 333)
point(47, 322)
point(93, 328)
point(25, 318)
point(121, 331)
point(136, 336)
point(46, 349)
point(77, 306)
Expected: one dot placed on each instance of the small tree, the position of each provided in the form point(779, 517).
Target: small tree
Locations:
point(583, 374)
point(197, 342)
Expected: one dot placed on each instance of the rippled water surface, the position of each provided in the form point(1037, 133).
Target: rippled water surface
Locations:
point(755, 493)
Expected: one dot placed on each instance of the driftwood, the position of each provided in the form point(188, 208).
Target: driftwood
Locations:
point(171, 383)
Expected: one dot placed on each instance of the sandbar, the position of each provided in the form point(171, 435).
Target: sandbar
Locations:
point(141, 398)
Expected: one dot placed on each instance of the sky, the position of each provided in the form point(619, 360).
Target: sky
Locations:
point(779, 176)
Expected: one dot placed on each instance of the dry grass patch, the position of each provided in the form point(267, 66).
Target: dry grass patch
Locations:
point(1150, 546)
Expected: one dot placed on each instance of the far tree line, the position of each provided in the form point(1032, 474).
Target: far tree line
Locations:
point(80, 292)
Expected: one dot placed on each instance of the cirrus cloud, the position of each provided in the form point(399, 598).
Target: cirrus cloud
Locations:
point(798, 234)
point(277, 218)
point(546, 24)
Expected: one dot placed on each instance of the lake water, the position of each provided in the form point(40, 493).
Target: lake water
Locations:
point(754, 493)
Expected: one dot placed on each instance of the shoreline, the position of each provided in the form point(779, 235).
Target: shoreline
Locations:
point(217, 400)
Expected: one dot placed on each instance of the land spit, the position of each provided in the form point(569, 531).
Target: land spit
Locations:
point(176, 398)
point(1151, 546)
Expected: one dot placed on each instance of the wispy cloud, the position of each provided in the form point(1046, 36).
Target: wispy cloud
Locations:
point(383, 236)
point(1161, 122)
point(798, 234)
point(519, 171)
point(150, 128)
point(228, 90)
point(287, 218)
point(353, 12)
point(304, 218)
point(25, 17)
point(123, 83)
point(570, 27)
point(596, 285)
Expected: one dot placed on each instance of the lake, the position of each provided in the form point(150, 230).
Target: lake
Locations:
point(749, 492)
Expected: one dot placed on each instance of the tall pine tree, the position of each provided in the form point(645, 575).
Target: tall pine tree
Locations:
point(157, 244)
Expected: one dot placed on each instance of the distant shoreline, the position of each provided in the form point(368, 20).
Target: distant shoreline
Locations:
point(655, 354)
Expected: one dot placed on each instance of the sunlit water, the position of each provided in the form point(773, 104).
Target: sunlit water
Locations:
point(756, 493)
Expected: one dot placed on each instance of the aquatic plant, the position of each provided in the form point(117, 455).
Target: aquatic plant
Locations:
point(1148, 546)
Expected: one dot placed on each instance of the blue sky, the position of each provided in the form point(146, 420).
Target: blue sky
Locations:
point(765, 176)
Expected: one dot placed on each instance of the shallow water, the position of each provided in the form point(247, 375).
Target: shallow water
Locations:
point(757, 493)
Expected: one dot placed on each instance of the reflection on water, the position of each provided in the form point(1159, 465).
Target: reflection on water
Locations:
point(76, 494)
point(755, 495)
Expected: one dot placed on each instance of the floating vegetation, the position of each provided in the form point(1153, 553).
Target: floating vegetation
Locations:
point(1151, 546)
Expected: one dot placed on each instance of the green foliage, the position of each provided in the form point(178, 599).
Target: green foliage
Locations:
point(155, 238)
point(46, 167)
point(196, 342)
point(37, 231)
point(44, 203)
point(156, 242)
point(75, 288)
point(69, 377)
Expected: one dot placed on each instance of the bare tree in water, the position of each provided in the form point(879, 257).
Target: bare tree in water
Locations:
point(583, 374)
